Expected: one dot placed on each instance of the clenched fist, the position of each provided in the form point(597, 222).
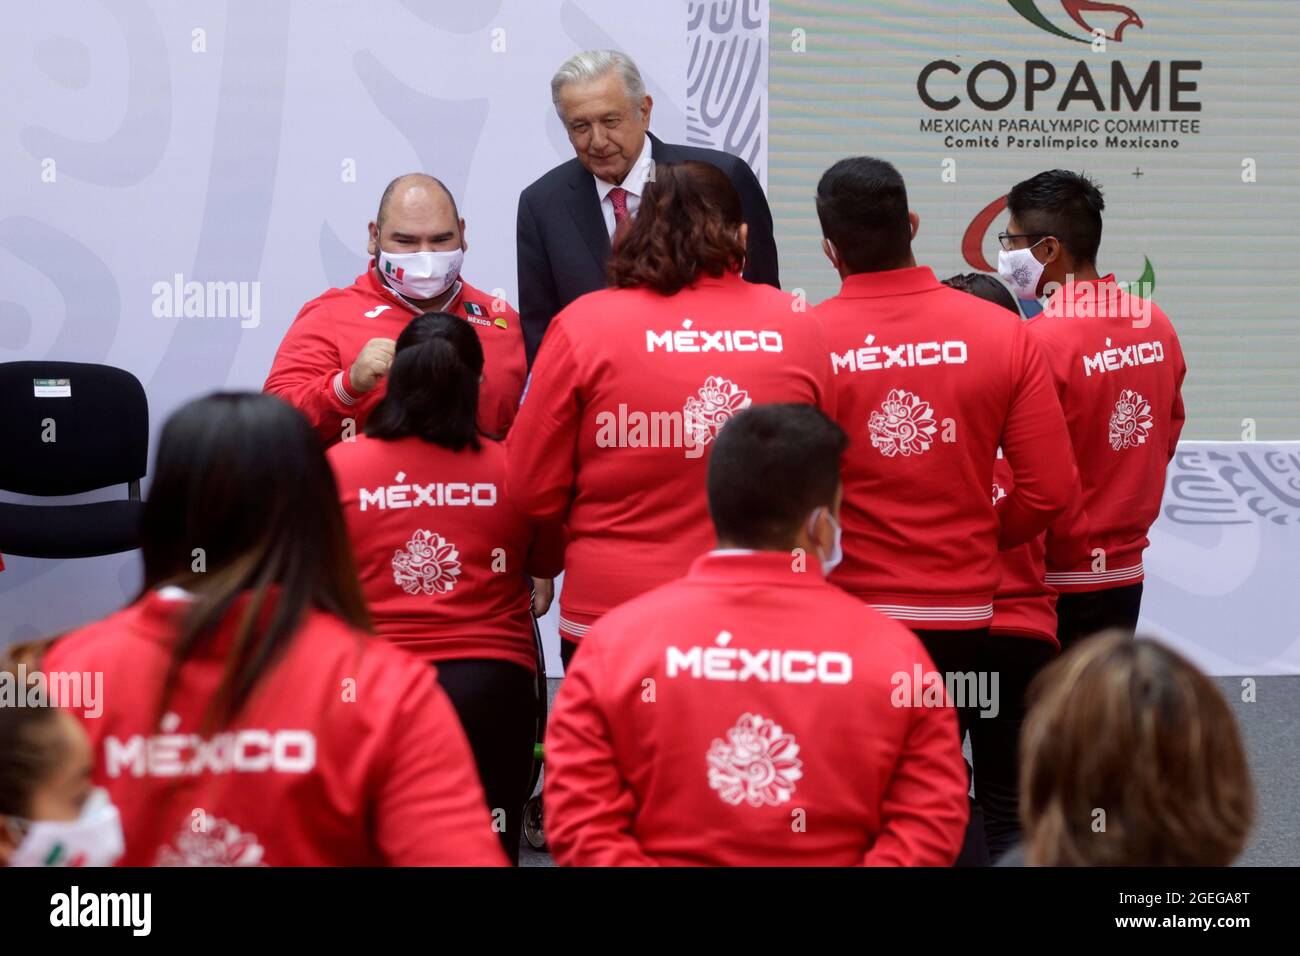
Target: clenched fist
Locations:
point(371, 365)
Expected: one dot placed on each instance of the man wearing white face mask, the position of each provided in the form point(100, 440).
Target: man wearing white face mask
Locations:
point(1118, 368)
point(333, 360)
point(50, 814)
point(700, 716)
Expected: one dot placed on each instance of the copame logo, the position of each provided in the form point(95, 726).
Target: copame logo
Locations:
point(972, 248)
point(1076, 10)
point(1057, 99)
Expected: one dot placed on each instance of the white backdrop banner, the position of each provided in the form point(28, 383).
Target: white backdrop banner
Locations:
point(249, 143)
point(1223, 569)
point(149, 144)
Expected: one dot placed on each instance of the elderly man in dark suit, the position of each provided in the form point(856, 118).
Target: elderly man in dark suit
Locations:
point(567, 217)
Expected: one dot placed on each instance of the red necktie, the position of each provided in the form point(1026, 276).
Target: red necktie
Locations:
point(618, 199)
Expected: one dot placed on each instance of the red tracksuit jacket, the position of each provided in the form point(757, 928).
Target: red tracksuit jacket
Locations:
point(441, 551)
point(1024, 605)
point(1119, 375)
point(311, 367)
point(751, 714)
point(348, 753)
point(930, 381)
point(628, 391)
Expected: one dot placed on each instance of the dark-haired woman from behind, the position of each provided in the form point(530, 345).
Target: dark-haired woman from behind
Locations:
point(632, 384)
point(248, 718)
point(445, 559)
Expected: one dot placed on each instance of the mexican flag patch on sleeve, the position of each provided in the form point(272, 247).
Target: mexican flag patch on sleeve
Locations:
point(473, 308)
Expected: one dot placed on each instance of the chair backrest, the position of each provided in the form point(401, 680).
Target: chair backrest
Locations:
point(97, 417)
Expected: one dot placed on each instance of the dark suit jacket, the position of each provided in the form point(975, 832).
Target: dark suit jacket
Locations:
point(562, 244)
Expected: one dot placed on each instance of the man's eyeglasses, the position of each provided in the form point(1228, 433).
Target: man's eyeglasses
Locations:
point(1005, 237)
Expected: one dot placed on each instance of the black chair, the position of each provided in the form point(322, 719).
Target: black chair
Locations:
point(98, 418)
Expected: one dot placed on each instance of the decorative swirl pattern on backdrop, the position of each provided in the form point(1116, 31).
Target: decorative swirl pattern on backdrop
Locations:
point(726, 79)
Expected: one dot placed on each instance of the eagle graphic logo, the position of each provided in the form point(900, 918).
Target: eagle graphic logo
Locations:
point(1079, 11)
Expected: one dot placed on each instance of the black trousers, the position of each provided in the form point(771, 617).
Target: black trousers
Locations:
point(1084, 614)
point(958, 652)
point(995, 740)
point(567, 649)
point(496, 702)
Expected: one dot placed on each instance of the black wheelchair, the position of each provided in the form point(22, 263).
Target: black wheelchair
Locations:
point(534, 830)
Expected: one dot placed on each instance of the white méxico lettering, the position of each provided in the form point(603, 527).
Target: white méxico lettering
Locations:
point(871, 357)
point(687, 339)
point(1123, 356)
point(454, 494)
point(181, 754)
point(723, 663)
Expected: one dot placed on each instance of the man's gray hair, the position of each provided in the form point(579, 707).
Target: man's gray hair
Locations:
point(593, 64)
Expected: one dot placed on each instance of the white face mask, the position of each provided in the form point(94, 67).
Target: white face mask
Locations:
point(421, 275)
point(1021, 270)
point(832, 560)
point(93, 839)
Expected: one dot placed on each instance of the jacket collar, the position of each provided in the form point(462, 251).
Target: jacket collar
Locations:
point(658, 152)
point(761, 567)
point(1080, 283)
point(728, 279)
point(160, 614)
point(874, 285)
point(1060, 301)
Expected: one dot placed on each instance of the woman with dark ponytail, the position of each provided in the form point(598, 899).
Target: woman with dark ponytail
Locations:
point(248, 717)
point(444, 557)
point(436, 373)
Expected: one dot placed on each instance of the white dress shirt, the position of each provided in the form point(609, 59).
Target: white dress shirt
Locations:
point(633, 182)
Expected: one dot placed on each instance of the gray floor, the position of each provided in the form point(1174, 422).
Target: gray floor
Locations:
point(1271, 728)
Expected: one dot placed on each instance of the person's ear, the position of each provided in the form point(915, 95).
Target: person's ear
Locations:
point(828, 250)
point(646, 105)
point(743, 234)
point(372, 246)
point(464, 243)
point(1050, 257)
point(915, 220)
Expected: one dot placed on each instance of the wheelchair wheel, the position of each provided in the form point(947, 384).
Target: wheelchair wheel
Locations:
point(534, 832)
point(540, 696)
